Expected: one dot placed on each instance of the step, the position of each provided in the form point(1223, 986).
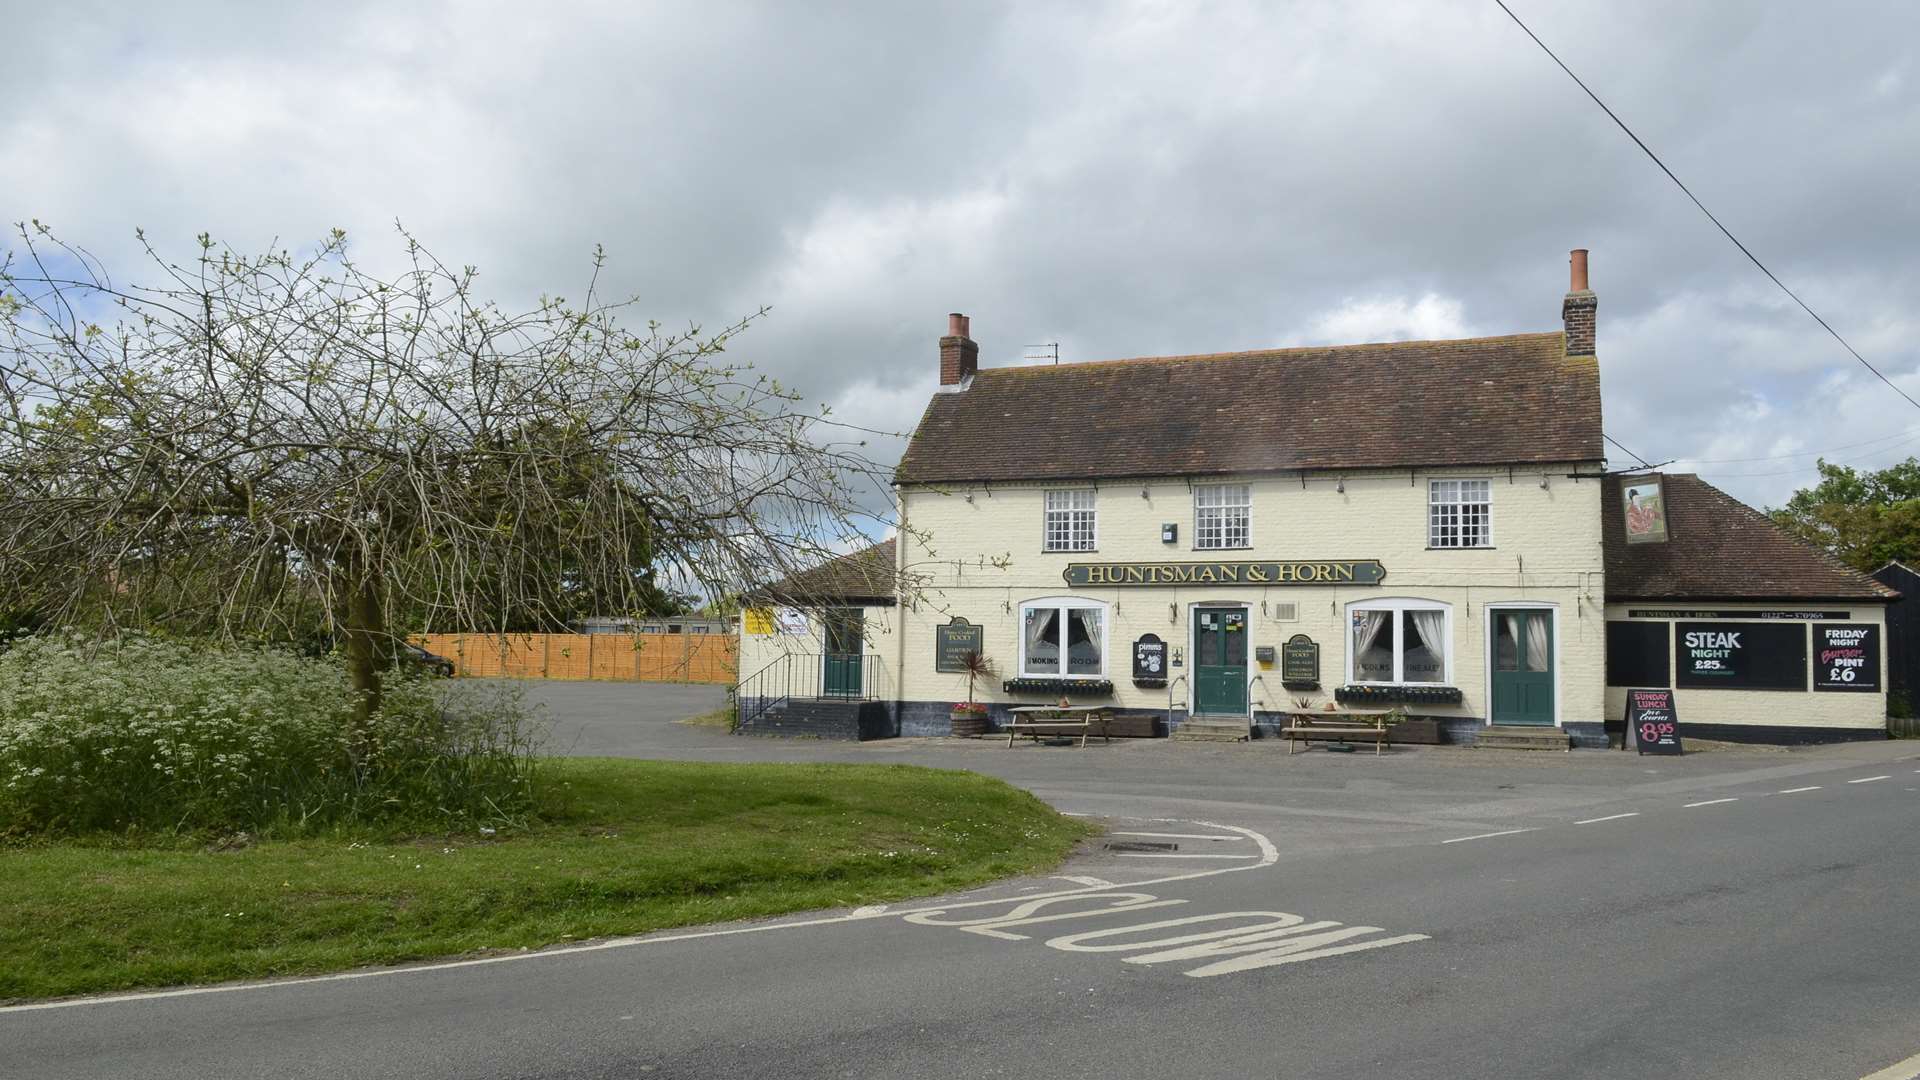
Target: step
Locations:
point(1521, 738)
point(1205, 729)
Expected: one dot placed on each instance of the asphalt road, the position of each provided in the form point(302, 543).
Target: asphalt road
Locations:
point(1426, 914)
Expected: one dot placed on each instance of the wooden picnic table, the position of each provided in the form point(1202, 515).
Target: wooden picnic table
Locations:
point(1340, 726)
point(1031, 719)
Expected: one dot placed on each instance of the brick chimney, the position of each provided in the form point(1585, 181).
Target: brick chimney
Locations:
point(1578, 308)
point(959, 356)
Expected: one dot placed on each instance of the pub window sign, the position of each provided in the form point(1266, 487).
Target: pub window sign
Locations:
point(1643, 506)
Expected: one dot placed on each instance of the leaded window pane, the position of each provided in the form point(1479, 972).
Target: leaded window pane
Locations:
point(1070, 520)
point(1459, 513)
point(1223, 516)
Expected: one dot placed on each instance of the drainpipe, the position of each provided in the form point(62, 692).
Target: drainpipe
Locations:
point(900, 539)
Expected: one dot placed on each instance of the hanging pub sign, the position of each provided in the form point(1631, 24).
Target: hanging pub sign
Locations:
point(1643, 501)
point(1740, 656)
point(952, 643)
point(1300, 663)
point(1150, 660)
point(1846, 656)
point(1333, 572)
point(1653, 723)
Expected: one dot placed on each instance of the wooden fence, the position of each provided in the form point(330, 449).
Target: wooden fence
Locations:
point(1903, 727)
point(688, 658)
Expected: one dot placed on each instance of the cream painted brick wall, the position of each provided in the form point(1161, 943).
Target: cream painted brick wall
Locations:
point(983, 557)
point(1769, 708)
point(881, 633)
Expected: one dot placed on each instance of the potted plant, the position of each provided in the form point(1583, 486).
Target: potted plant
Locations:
point(969, 717)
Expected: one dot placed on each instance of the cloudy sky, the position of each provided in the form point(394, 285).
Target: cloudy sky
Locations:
point(1124, 180)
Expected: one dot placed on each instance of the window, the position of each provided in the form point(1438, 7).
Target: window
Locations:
point(1405, 642)
point(1459, 513)
point(1222, 516)
point(1063, 637)
point(1070, 520)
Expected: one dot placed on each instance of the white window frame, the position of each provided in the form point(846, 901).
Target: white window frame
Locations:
point(1074, 504)
point(1396, 605)
point(1063, 604)
point(1224, 494)
point(1440, 498)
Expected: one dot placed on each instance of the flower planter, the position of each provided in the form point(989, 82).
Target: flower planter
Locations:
point(967, 724)
point(1416, 730)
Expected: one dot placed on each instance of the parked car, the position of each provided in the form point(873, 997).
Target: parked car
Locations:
point(433, 662)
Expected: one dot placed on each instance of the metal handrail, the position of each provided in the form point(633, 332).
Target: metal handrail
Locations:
point(1171, 683)
point(778, 683)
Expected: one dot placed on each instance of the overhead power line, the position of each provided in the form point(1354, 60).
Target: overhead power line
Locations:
point(1751, 257)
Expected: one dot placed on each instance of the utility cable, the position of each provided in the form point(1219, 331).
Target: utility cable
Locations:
point(1703, 207)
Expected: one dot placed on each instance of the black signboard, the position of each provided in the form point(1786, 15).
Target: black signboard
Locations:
point(952, 643)
point(1740, 656)
point(1652, 721)
point(1300, 663)
point(1638, 654)
point(1330, 572)
point(1846, 656)
point(1149, 659)
point(1768, 616)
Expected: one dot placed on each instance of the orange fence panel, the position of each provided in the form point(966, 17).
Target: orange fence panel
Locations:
point(697, 658)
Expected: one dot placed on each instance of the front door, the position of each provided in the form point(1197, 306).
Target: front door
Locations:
point(845, 634)
point(1220, 661)
point(1522, 667)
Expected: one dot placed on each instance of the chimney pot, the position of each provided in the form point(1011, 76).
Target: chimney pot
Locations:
point(959, 356)
point(1578, 309)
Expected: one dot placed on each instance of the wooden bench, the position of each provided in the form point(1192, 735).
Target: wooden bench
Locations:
point(1044, 721)
point(1344, 726)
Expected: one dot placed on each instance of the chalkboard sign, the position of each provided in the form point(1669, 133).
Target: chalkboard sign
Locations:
point(1300, 663)
point(1846, 656)
point(1149, 659)
point(1740, 655)
point(952, 643)
point(1652, 721)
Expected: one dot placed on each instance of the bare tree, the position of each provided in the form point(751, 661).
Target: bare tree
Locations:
point(251, 440)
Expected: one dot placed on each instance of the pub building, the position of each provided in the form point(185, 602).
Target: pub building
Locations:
point(1220, 539)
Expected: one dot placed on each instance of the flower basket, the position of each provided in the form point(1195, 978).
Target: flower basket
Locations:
point(969, 719)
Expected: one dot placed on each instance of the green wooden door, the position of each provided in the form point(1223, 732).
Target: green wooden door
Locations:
point(845, 631)
point(1522, 667)
point(1220, 661)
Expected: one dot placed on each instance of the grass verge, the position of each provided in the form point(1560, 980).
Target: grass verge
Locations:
point(718, 718)
point(625, 847)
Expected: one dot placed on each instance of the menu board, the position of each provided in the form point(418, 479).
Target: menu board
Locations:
point(1653, 723)
point(1846, 657)
point(1740, 655)
point(952, 643)
point(1300, 663)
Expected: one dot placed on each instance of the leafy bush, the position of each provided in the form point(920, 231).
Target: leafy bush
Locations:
point(140, 735)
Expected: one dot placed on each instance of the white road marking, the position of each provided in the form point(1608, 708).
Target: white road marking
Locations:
point(1086, 879)
point(1869, 779)
point(1798, 790)
point(1174, 855)
point(1709, 802)
point(1613, 817)
point(1485, 836)
point(1268, 856)
point(1252, 946)
point(1899, 1070)
point(1178, 835)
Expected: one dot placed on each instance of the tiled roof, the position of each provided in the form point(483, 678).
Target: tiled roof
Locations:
point(1477, 401)
point(865, 576)
point(1719, 548)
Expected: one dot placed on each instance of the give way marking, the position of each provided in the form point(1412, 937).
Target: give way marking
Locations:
point(1234, 941)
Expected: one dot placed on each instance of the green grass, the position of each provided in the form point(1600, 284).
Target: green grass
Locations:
point(718, 718)
point(625, 847)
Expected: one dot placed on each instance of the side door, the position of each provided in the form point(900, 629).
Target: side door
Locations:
point(1522, 667)
point(844, 646)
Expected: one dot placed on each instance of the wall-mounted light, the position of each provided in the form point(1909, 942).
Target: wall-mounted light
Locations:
point(1143, 493)
point(1543, 481)
point(969, 496)
point(1340, 485)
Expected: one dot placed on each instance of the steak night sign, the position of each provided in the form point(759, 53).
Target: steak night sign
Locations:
point(1318, 572)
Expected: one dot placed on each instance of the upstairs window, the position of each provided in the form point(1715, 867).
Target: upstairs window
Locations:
point(1459, 513)
point(1070, 520)
point(1222, 516)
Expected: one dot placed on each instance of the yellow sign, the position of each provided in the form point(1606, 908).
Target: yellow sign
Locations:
point(759, 620)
